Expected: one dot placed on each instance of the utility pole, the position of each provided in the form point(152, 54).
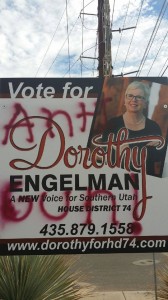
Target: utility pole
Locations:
point(104, 39)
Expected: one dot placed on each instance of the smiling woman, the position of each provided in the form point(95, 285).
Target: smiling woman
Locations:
point(138, 126)
point(136, 97)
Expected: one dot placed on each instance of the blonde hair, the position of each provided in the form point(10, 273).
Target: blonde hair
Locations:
point(139, 85)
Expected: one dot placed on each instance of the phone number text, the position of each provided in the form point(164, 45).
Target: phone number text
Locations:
point(87, 229)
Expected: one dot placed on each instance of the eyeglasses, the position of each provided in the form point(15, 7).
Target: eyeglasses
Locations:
point(131, 97)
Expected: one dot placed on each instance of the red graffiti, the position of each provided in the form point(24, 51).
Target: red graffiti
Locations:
point(8, 209)
point(88, 203)
point(84, 114)
point(137, 227)
point(54, 217)
point(19, 110)
point(10, 213)
point(51, 115)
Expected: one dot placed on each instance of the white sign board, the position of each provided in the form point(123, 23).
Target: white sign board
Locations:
point(84, 167)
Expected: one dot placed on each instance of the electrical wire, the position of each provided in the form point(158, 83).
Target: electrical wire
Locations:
point(82, 21)
point(89, 3)
point(157, 52)
point(132, 35)
point(94, 29)
point(80, 57)
point(88, 68)
point(159, 19)
point(68, 35)
point(83, 26)
point(65, 42)
point(91, 47)
point(153, 38)
point(70, 66)
point(61, 47)
point(93, 69)
point(121, 34)
point(164, 71)
point(74, 63)
point(50, 42)
point(163, 68)
point(82, 37)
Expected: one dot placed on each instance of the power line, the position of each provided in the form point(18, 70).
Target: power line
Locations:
point(72, 65)
point(89, 3)
point(157, 52)
point(81, 56)
point(154, 35)
point(121, 34)
point(50, 42)
point(164, 71)
point(68, 35)
point(65, 42)
point(62, 46)
point(82, 39)
point(95, 56)
point(83, 21)
point(86, 67)
point(161, 74)
point(94, 59)
point(152, 38)
point(133, 35)
point(83, 26)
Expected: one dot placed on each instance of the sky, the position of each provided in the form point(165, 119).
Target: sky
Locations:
point(51, 38)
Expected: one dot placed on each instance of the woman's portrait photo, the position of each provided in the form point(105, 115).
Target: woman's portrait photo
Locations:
point(140, 108)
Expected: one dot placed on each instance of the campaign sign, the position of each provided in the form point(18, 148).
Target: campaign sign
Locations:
point(84, 165)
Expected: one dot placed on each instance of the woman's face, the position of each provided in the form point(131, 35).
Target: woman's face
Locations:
point(135, 100)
